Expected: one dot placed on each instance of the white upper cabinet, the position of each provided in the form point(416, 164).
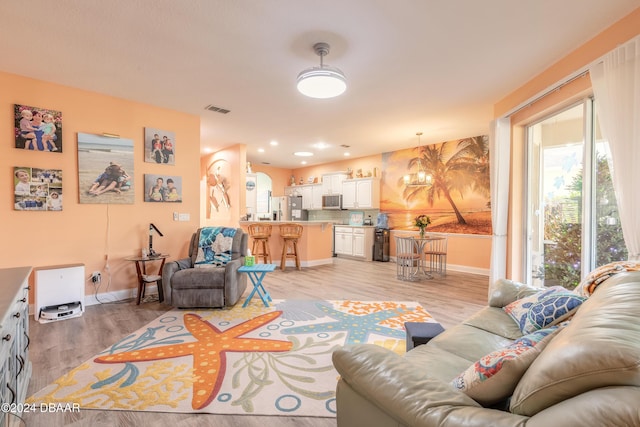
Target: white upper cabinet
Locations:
point(361, 193)
point(332, 183)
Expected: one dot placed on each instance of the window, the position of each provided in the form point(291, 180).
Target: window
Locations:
point(572, 219)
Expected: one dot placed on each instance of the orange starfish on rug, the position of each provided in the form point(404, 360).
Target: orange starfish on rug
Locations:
point(208, 351)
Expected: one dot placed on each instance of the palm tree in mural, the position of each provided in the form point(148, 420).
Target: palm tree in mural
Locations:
point(453, 167)
point(473, 157)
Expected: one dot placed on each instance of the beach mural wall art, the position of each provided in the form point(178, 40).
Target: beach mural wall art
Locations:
point(38, 129)
point(105, 169)
point(457, 197)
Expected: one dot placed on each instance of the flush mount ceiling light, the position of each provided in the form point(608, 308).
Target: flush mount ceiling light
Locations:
point(322, 81)
point(303, 153)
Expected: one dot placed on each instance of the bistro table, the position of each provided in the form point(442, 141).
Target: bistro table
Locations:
point(256, 273)
point(144, 278)
point(421, 242)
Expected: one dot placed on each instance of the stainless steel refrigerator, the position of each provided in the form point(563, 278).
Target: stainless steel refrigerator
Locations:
point(295, 211)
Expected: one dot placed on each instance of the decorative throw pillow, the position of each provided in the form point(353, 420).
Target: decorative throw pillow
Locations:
point(546, 308)
point(494, 377)
point(602, 273)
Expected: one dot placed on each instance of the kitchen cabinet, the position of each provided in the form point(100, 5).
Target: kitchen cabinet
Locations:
point(15, 367)
point(311, 196)
point(354, 242)
point(332, 183)
point(361, 193)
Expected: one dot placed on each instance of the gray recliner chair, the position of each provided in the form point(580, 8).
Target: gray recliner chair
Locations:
point(186, 286)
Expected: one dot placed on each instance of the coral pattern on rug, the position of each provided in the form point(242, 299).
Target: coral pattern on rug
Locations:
point(253, 360)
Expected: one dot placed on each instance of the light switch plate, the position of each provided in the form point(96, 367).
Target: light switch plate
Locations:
point(176, 216)
point(185, 217)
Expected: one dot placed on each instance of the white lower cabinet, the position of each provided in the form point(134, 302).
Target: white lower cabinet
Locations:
point(15, 368)
point(354, 241)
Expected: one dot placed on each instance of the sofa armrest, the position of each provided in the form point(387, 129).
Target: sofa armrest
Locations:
point(168, 271)
point(410, 396)
point(507, 291)
point(234, 283)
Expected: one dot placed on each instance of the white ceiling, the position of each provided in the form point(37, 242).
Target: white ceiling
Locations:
point(433, 66)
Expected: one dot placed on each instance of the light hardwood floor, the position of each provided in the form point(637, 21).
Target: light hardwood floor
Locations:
point(59, 347)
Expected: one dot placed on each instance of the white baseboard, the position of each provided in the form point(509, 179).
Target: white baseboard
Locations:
point(461, 268)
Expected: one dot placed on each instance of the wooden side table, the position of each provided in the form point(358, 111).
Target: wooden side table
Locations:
point(256, 273)
point(144, 278)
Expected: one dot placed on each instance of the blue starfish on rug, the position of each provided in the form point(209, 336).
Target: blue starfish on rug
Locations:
point(357, 326)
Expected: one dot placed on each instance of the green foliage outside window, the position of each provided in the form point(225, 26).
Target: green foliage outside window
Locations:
point(563, 229)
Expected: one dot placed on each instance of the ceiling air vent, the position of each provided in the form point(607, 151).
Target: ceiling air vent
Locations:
point(216, 109)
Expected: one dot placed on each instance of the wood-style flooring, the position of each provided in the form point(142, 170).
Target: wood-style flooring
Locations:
point(58, 347)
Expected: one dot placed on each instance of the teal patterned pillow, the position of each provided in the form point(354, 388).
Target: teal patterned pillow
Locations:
point(546, 308)
point(494, 377)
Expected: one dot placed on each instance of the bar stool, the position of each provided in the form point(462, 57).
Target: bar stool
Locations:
point(290, 234)
point(260, 234)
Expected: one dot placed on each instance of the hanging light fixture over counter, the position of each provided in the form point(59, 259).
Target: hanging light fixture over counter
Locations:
point(421, 178)
point(322, 81)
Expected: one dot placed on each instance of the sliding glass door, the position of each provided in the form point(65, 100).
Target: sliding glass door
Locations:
point(572, 219)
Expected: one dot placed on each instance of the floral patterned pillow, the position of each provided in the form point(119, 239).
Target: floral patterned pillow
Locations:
point(545, 308)
point(494, 377)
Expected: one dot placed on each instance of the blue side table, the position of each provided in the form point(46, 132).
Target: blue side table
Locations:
point(256, 273)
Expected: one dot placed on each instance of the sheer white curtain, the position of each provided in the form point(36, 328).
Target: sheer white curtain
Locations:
point(500, 158)
point(616, 87)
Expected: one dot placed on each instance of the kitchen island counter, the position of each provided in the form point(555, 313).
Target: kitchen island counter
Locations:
point(314, 247)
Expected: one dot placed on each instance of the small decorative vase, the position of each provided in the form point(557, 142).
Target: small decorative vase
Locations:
point(422, 232)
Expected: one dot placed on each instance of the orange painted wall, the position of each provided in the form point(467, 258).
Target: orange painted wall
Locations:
point(622, 31)
point(235, 172)
point(367, 163)
point(279, 177)
point(87, 233)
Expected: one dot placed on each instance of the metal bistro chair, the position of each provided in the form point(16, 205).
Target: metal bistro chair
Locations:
point(260, 234)
point(408, 259)
point(435, 255)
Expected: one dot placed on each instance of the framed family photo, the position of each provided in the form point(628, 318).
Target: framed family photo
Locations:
point(38, 129)
point(105, 169)
point(159, 146)
point(162, 188)
point(37, 189)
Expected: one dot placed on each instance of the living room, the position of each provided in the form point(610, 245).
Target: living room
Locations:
point(101, 235)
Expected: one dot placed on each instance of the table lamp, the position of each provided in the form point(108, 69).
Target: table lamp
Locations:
point(153, 228)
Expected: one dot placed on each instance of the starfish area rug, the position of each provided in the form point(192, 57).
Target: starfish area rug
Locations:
point(256, 360)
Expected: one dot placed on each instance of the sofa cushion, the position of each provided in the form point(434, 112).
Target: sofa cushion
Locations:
point(546, 308)
point(494, 377)
point(468, 342)
point(197, 278)
point(496, 321)
point(599, 348)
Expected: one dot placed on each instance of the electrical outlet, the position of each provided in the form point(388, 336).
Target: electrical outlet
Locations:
point(95, 277)
point(176, 216)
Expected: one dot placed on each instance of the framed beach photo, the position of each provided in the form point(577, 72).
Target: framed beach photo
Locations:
point(38, 129)
point(162, 188)
point(37, 189)
point(356, 218)
point(159, 146)
point(105, 169)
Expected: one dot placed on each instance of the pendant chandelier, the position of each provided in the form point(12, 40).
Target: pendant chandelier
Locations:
point(322, 81)
point(421, 178)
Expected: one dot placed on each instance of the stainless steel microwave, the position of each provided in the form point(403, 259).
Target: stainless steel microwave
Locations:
point(332, 201)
